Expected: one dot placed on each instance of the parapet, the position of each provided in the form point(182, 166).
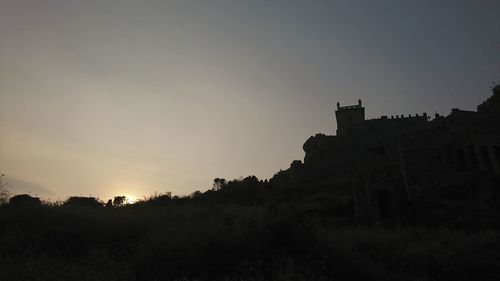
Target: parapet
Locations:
point(349, 107)
point(401, 117)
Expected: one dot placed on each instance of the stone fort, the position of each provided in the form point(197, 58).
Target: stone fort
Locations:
point(384, 162)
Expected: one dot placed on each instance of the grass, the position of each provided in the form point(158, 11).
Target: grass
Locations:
point(193, 241)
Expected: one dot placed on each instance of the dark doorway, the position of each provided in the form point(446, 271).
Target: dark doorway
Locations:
point(461, 161)
point(384, 202)
point(473, 157)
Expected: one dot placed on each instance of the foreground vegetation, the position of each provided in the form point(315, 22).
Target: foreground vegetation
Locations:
point(246, 230)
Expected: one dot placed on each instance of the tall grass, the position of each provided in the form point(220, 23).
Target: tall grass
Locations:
point(230, 242)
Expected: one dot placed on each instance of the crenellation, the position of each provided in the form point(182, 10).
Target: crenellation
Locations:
point(351, 120)
point(348, 107)
point(400, 117)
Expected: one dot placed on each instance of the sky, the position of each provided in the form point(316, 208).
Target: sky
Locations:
point(103, 98)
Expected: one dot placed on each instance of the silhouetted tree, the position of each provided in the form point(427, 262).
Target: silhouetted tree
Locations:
point(77, 201)
point(24, 200)
point(109, 204)
point(195, 194)
point(119, 201)
point(4, 192)
point(219, 183)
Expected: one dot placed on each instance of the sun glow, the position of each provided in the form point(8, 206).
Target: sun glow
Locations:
point(127, 188)
point(131, 199)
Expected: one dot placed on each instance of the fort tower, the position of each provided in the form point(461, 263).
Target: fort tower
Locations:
point(349, 118)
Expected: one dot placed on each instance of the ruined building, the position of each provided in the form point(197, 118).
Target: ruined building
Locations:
point(386, 162)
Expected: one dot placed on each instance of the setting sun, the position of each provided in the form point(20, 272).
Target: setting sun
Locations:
point(131, 199)
point(125, 187)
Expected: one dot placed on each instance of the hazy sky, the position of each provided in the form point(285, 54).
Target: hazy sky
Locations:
point(107, 98)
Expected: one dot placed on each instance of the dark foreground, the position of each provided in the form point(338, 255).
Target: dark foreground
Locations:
point(187, 239)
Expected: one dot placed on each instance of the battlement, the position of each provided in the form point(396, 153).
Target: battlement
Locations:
point(416, 116)
point(349, 107)
point(351, 120)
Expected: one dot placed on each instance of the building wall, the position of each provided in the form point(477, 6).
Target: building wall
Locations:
point(349, 119)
